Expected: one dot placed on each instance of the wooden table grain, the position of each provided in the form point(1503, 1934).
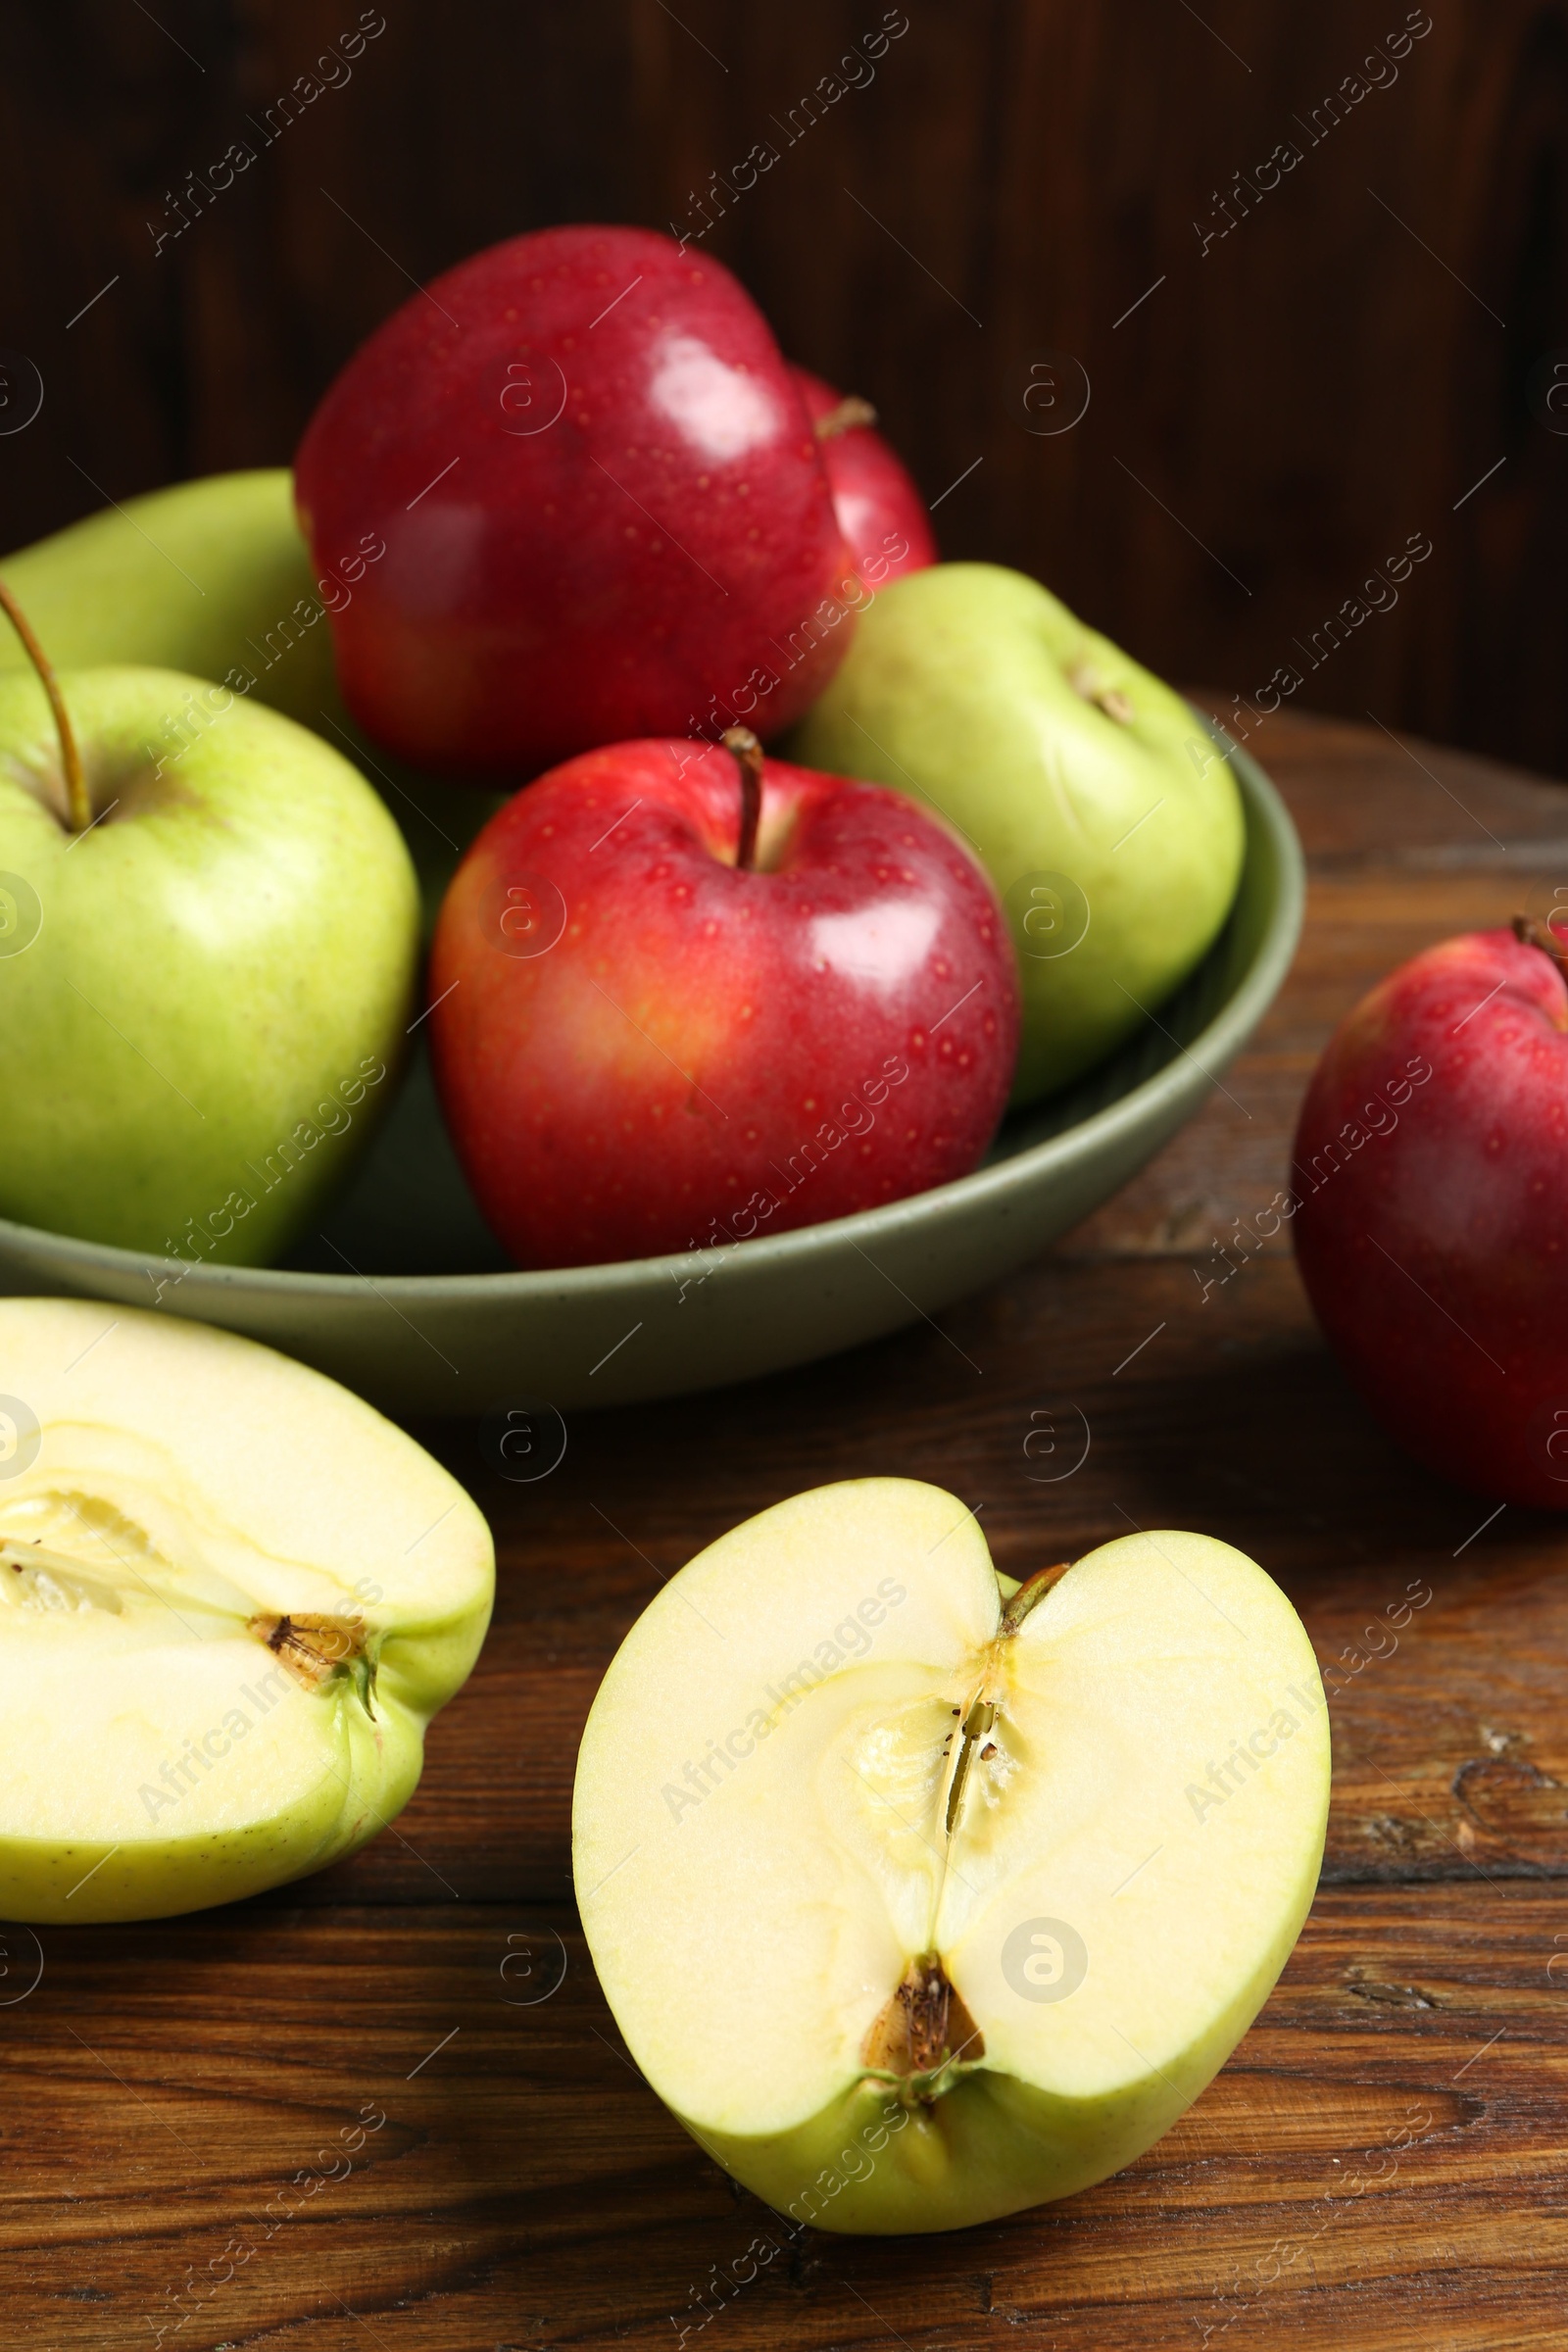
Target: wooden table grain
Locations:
point(389, 2107)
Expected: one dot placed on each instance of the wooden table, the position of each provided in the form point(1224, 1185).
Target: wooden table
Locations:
point(173, 2092)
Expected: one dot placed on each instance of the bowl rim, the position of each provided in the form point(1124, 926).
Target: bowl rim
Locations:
point(1216, 1044)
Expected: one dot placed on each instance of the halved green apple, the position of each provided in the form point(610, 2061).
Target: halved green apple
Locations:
point(921, 1897)
point(231, 1597)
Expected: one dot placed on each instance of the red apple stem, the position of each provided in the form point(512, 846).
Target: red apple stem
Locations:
point(850, 411)
point(747, 754)
point(1531, 934)
point(77, 801)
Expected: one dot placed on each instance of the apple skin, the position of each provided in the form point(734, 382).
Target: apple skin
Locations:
point(958, 687)
point(207, 577)
point(212, 577)
point(673, 1070)
point(218, 968)
point(1430, 1230)
point(880, 509)
point(632, 531)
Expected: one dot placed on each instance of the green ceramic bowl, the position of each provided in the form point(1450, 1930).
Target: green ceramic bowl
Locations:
point(408, 1300)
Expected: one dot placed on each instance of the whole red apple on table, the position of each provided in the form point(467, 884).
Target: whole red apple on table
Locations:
point(1432, 1232)
point(604, 511)
point(880, 512)
point(645, 1041)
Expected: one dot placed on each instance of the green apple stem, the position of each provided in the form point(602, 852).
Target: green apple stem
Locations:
point(850, 411)
point(1033, 1589)
point(981, 1719)
point(77, 803)
point(1531, 934)
point(747, 753)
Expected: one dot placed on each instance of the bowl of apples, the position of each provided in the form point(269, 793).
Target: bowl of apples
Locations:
point(562, 898)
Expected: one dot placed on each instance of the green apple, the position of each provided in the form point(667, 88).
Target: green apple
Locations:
point(214, 577)
point(204, 991)
point(209, 576)
point(1109, 821)
point(921, 1897)
point(231, 1597)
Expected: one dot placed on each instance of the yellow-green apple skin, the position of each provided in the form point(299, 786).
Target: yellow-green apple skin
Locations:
point(207, 577)
point(170, 1498)
point(839, 1749)
point(212, 577)
point(204, 997)
point(1109, 823)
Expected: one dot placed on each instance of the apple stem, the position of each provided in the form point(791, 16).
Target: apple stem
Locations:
point(1032, 1589)
point(850, 411)
point(747, 753)
point(79, 804)
point(980, 1720)
point(1531, 934)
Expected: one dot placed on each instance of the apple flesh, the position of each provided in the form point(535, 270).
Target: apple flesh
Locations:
point(880, 512)
point(604, 511)
point(1109, 821)
point(231, 1597)
point(920, 1896)
point(1428, 1172)
point(203, 997)
point(643, 1047)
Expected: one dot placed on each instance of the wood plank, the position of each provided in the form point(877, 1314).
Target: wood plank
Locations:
point(1381, 2163)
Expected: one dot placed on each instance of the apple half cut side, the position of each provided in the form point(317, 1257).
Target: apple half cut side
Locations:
point(921, 1897)
point(231, 1597)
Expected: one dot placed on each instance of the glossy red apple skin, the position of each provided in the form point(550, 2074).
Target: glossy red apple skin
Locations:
point(881, 513)
point(674, 1069)
point(604, 509)
point(1435, 1248)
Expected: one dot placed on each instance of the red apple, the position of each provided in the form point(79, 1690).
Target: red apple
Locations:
point(604, 509)
point(880, 512)
point(681, 998)
point(1431, 1162)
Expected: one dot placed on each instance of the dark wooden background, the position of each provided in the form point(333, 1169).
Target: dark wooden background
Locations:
point(1275, 418)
